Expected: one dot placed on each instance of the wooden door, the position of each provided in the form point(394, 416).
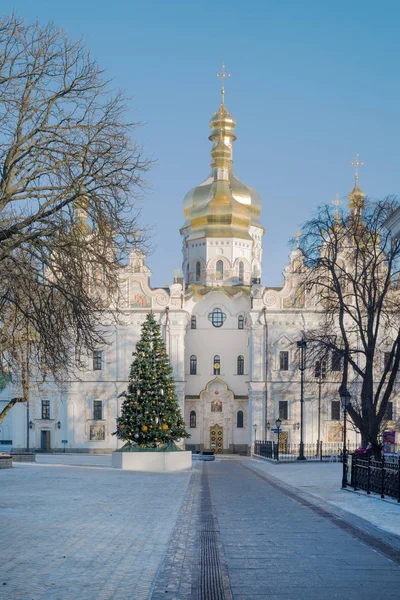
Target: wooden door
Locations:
point(217, 438)
point(45, 439)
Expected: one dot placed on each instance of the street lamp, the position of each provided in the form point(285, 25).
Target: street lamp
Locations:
point(320, 374)
point(345, 398)
point(278, 424)
point(302, 344)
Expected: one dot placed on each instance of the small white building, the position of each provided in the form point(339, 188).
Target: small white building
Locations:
point(232, 343)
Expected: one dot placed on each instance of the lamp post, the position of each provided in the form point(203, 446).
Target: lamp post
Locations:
point(278, 424)
point(345, 398)
point(302, 344)
point(320, 374)
point(255, 431)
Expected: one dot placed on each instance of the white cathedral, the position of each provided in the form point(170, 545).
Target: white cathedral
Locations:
point(232, 342)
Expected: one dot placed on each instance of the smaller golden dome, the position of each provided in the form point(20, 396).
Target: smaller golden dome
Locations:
point(222, 120)
point(356, 198)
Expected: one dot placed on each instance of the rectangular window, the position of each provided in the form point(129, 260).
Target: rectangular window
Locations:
point(97, 410)
point(240, 365)
point(97, 360)
point(193, 365)
point(336, 361)
point(283, 410)
point(45, 409)
point(284, 360)
point(387, 360)
point(335, 410)
point(389, 412)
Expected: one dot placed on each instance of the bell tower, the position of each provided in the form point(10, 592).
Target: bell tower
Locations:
point(222, 233)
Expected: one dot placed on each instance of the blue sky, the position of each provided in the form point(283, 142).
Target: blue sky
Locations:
point(312, 83)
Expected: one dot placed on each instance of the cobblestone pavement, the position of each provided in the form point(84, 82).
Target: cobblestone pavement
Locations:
point(84, 533)
point(75, 529)
point(176, 572)
point(277, 548)
point(323, 481)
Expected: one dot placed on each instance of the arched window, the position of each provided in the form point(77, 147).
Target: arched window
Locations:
point(240, 365)
point(239, 419)
point(241, 271)
point(220, 270)
point(193, 322)
point(240, 322)
point(217, 317)
point(193, 365)
point(217, 364)
point(198, 270)
point(192, 422)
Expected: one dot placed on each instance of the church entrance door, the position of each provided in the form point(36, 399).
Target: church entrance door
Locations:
point(217, 438)
point(283, 441)
point(45, 439)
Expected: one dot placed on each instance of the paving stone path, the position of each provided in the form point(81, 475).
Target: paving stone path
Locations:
point(279, 549)
point(221, 532)
point(82, 533)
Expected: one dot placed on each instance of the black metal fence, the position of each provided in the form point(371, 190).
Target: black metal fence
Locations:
point(379, 476)
point(329, 451)
point(266, 449)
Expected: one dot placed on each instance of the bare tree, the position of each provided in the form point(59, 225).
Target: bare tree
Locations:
point(20, 357)
point(70, 179)
point(352, 278)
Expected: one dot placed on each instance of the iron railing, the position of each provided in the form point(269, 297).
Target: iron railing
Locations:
point(371, 475)
point(329, 451)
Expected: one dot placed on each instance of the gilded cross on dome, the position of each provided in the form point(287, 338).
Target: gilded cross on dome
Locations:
point(336, 202)
point(223, 75)
point(356, 164)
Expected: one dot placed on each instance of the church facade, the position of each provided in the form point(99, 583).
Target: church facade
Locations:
point(232, 342)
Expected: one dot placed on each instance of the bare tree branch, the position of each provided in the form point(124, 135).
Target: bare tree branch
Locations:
point(352, 276)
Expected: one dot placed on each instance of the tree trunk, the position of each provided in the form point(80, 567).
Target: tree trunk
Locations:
point(8, 407)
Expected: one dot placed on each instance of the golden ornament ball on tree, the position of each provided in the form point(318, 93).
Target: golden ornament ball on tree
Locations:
point(144, 428)
point(165, 427)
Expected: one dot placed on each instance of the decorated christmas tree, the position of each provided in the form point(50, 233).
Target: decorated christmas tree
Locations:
point(150, 415)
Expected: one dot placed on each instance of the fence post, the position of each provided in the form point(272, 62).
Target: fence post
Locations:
point(369, 474)
point(355, 472)
point(383, 476)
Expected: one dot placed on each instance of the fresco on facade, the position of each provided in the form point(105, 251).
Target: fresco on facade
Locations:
point(216, 406)
point(97, 433)
point(137, 298)
point(335, 433)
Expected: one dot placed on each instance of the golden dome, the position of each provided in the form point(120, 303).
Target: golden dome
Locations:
point(356, 198)
point(222, 205)
point(222, 121)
